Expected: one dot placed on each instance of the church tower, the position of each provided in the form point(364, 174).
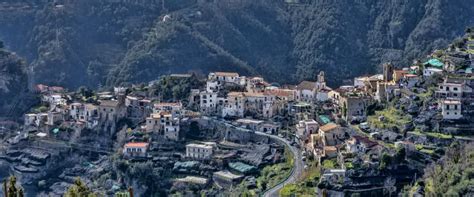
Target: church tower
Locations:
point(321, 82)
point(387, 72)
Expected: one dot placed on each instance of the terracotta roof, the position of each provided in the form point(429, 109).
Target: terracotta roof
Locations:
point(136, 145)
point(90, 106)
point(306, 85)
point(56, 89)
point(280, 92)
point(253, 94)
point(109, 103)
point(159, 114)
point(235, 94)
point(364, 140)
point(41, 87)
point(411, 76)
point(227, 74)
point(330, 149)
point(400, 71)
point(167, 104)
point(328, 127)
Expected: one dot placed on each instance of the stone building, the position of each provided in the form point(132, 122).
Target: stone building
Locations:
point(199, 151)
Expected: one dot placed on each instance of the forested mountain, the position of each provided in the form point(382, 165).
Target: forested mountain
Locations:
point(107, 42)
point(13, 84)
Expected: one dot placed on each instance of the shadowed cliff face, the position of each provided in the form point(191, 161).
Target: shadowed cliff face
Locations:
point(13, 84)
point(97, 43)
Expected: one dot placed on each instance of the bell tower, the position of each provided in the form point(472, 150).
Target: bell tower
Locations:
point(387, 72)
point(321, 82)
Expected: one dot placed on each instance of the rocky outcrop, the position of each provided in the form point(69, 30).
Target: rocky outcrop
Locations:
point(15, 97)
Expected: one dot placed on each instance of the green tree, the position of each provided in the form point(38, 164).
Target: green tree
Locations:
point(79, 189)
point(12, 189)
point(400, 155)
point(385, 161)
point(85, 92)
point(453, 175)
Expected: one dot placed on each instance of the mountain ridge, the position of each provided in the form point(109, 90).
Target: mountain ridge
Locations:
point(106, 43)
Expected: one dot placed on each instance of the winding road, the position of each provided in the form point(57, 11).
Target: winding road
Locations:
point(297, 167)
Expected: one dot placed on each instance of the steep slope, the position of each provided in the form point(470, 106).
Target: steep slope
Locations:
point(13, 85)
point(210, 37)
point(355, 37)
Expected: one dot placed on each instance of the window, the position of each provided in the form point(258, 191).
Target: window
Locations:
point(447, 88)
point(455, 107)
point(455, 89)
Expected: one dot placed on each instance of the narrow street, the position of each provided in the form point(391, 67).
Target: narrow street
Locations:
point(297, 167)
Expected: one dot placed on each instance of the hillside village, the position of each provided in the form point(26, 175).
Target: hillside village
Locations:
point(243, 135)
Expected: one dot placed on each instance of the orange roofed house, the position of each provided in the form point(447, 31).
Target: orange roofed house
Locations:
point(135, 149)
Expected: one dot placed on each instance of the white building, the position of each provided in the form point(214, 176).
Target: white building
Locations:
point(135, 149)
point(225, 77)
point(76, 111)
point(212, 86)
point(451, 109)
point(331, 133)
point(250, 123)
point(306, 91)
point(323, 94)
point(174, 108)
point(137, 107)
point(163, 123)
point(451, 88)
point(305, 128)
point(208, 102)
point(54, 99)
point(171, 131)
point(199, 151)
point(431, 71)
point(359, 144)
point(30, 119)
point(235, 106)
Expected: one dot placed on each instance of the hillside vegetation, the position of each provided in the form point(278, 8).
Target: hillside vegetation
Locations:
point(13, 84)
point(453, 175)
point(103, 43)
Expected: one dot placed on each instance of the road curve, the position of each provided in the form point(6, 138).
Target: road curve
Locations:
point(297, 166)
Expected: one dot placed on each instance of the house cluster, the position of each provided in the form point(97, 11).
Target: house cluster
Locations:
point(326, 140)
point(103, 112)
point(60, 109)
point(455, 93)
point(229, 95)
